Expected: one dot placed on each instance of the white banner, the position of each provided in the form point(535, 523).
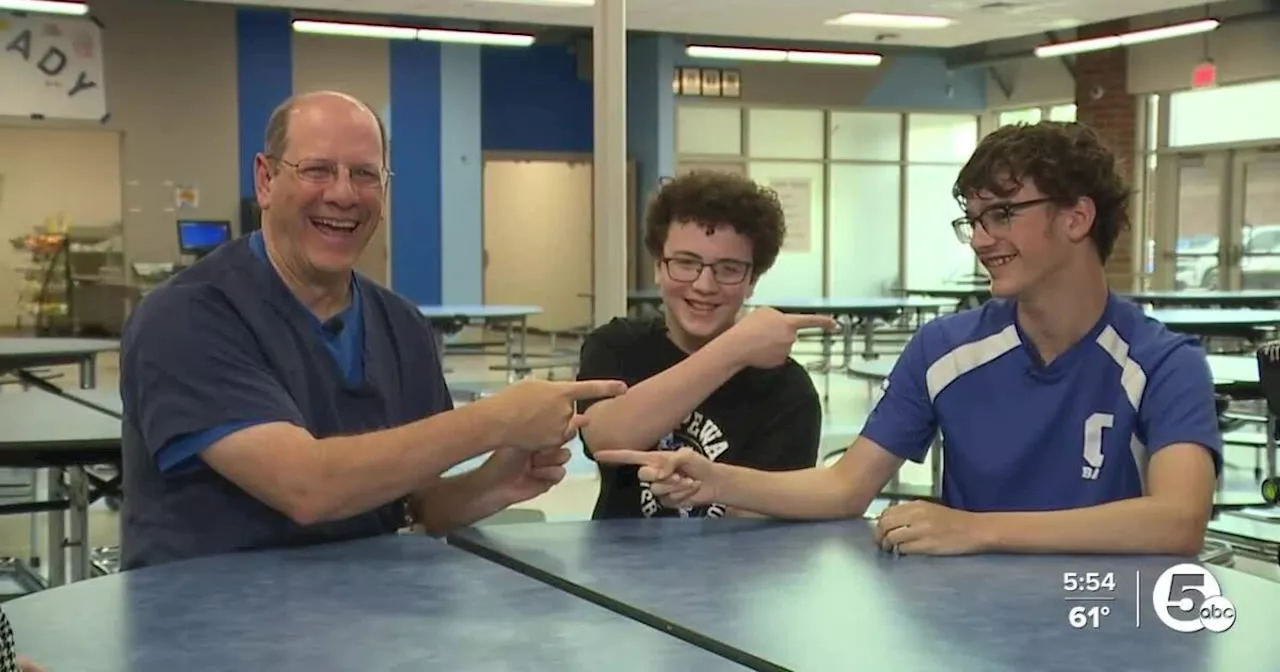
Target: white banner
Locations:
point(51, 66)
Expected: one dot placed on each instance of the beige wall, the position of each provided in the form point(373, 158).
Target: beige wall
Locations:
point(360, 68)
point(172, 95)
point(1031, 81)
point(170, 79)
point(1243, 52)
point(171, 89)
point(1246, 51)
point(72, 176)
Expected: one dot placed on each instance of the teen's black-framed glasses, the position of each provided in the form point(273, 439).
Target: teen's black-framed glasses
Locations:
point(995, 220)
point(725, 271)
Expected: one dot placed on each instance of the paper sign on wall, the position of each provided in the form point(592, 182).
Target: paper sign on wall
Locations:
point(796, 194)
point(51, 66)
point(186, 197)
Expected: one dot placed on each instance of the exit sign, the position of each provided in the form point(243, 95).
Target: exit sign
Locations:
point(1204, 75)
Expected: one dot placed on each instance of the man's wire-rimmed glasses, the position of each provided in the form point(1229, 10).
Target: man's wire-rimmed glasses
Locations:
point(322, 171)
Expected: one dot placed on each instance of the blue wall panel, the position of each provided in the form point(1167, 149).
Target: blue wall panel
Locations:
point(415, 160)
point(264, 79)
point(651, 111)
point(534, 100)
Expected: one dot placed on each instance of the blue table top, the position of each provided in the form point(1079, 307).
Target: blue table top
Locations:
point(478, 312)
point(392, 603)
point(820, 596)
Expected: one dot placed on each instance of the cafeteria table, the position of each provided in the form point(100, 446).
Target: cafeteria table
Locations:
point(25, 353)
point(43, 430)
point(1242, 298)
point(391, 603)
point(821, 596)
point(858, 311)
point(448, 320)
point(1240, 323)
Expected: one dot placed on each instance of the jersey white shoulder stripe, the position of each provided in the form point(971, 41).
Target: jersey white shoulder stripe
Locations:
point(1132, 378)
point(968, 357)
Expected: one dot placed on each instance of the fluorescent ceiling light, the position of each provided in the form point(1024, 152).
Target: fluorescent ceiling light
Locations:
point(873, 20)
point(355, 30)
point(544, 3)
point(1126, 39)
point(470, 37)
point(406, 33)
point(45, 7)
point(782, 56)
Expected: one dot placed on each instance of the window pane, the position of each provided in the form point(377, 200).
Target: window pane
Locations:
point(798, 272)
point(865, 229)
point(866, 136)
point(934, 255)
point(1224, 114)
point(1153, 122)
point(941, 138)
point(784, 134)
point(1029, 115)
point(709, 130)
point(1062, 113)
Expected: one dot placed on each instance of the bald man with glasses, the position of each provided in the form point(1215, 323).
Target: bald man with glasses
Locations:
point(275, 397)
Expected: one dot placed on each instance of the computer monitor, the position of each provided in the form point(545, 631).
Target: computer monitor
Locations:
point(200, 237)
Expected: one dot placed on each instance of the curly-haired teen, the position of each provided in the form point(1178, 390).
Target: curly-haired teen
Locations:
point(1072, 422)
point(699, 378)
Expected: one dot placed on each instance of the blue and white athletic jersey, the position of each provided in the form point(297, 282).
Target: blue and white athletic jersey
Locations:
point(1021, 436)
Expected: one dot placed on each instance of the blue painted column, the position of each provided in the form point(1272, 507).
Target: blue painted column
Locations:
point(651, 112)
point(437, 190)
point(461, 175)
point(415, 160)
point(264, 79)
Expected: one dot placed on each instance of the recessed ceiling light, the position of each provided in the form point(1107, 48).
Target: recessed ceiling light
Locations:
point(873, 20)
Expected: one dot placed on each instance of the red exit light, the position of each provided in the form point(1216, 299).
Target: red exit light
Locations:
point(1205, 75)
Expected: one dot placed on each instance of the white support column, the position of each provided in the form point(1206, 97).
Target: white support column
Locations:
point(609, 74)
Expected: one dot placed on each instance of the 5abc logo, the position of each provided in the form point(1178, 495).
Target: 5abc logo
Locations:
point(1187, 598)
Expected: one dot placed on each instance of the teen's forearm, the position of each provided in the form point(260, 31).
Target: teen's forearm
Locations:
point(805, 494)
point(1144, 525)
point(642, 416)
point(456, 501)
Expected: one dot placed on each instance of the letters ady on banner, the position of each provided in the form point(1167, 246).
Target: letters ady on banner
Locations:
point(51, 66)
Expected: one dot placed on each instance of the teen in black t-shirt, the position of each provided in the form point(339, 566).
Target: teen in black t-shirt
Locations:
point(698, 378)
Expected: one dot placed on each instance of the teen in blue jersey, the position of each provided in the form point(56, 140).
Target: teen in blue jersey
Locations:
point(275, 397)
point(1071, 421)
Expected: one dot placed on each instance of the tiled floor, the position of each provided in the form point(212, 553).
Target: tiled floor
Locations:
point(846, 408)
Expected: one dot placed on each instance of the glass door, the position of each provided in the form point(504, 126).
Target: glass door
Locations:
point(1200, 209)
point(1253, 258)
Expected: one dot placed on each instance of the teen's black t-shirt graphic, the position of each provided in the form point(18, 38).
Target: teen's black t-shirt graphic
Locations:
point(768, 419)
point(703, 435)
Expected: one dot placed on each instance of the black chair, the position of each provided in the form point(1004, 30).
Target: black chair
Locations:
point(1269, 380)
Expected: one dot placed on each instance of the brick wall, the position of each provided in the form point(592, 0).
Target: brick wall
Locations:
point(1103, 102)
